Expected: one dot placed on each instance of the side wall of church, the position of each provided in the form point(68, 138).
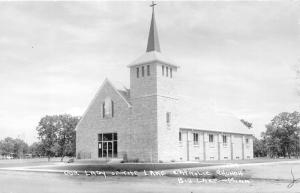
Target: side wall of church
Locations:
point(211, 148)
point(237, 146)
point(216, 150)
point(225, 148)
point(92, 124)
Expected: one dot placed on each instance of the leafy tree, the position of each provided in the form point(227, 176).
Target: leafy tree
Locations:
point(20, 148)
point(282, 135)
point(259, 147)
point(67, 135)
point(7, 146)
point(48, 134)
point(36, 149)
point(13, 146)
point(57, 135)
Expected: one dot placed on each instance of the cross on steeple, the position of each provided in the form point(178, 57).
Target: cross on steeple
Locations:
point(153, 42)
point(152, 5)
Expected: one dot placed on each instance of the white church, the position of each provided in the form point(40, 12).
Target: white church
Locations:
point(149, 122)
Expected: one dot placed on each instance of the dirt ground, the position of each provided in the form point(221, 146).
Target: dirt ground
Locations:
point(36, 182)
point(266, 177)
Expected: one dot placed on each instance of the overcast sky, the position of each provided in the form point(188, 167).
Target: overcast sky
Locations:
point(239, 57)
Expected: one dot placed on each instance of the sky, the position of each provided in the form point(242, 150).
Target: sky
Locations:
point(238, 57)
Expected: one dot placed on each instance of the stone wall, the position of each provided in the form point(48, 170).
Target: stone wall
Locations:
point(92, 124)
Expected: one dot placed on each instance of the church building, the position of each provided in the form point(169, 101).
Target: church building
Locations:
point(150, 123)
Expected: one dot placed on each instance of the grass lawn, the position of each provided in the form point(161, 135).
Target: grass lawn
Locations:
point(96, 165)
point(28, 162)
point(126, 166)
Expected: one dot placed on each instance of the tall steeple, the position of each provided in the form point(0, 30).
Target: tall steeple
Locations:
point(153, 42)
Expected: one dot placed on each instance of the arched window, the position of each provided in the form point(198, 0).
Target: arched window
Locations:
point(107, 108)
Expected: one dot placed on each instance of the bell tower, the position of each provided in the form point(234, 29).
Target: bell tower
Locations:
point(154, 100)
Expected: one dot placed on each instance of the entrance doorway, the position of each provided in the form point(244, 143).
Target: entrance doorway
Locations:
point(107, 145)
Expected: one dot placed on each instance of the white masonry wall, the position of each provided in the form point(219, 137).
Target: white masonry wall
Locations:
point(225, 148)
point(216, 150)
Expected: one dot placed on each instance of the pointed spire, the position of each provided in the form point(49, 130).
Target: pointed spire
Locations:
point(153, 42)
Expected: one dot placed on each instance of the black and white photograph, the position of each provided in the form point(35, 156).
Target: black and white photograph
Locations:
point(150, 96)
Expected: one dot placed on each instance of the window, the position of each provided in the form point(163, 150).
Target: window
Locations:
point(168, 118)
point(143, 71)
point(247, 140)
point(137, 72)
point(112, 108)
point(103, 110)
point(195, 135)
point(107, 137)
point(171, 72)
point(180, 137)
point(107, 108)
point(163, 70)
point(148, 70)
point(224, 139)
point(211, 138)
point(167, 71)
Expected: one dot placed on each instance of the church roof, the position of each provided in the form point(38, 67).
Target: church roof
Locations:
point(121, 90)
point(195, 116)
point(153, 56)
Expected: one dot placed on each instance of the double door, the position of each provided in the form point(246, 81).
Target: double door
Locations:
point(105, 149)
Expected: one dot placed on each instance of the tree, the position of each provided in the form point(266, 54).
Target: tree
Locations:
point(20, 148)
point(17, 147)
point(246, 123)
point(48, 133)
point(7, 146)
point(36, 149)
point(259, 147)
point(67, 135)
point(57, 135)
point(282, 135)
